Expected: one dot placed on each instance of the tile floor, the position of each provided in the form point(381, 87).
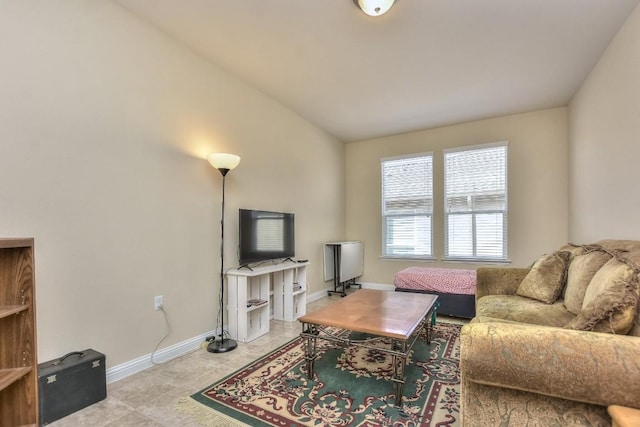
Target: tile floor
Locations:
point(148, 398)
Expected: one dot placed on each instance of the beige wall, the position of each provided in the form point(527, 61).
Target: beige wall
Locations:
point(605, 143)
point(537, 180)
point(104, 125)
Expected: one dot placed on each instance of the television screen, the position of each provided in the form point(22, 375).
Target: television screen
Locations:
point(265, 236)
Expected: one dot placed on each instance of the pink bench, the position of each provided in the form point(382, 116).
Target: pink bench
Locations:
point(455, 288)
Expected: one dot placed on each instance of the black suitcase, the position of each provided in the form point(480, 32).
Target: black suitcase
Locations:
point(70, 383)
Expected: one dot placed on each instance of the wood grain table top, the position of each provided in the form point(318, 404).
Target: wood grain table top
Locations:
point(384, 313)
point(621, 416)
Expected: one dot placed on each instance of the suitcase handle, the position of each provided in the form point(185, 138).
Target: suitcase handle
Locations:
point(57, 362)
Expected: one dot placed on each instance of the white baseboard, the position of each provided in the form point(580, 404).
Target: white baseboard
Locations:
point(141, 363)
point(317, 295)
point(144, 362)
point(378, 286)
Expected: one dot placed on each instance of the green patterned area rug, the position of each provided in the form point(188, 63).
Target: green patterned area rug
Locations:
point(350, 387)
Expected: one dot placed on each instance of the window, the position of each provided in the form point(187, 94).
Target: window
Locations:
point(407, 206)
point(475, 205)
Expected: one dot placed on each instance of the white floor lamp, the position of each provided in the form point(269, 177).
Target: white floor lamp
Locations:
point(224, 163)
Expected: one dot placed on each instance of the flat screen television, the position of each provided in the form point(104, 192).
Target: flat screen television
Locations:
point(265, 236)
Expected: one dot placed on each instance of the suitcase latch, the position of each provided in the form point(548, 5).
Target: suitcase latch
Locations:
point(95, 364)
point(51, 379)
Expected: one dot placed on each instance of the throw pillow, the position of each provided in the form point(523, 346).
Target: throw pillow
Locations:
point(610, 301)
point(574, 249)
point(546, 279)
point(581, 270)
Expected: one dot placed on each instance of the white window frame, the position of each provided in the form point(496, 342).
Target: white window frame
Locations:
point(422, 249)
point(500, 191)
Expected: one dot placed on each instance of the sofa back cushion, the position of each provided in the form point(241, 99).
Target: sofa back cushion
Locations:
point(581, 270)
point(611, 299)
point(546, 279)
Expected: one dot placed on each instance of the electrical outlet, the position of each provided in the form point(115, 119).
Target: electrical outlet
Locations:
point(157, 302)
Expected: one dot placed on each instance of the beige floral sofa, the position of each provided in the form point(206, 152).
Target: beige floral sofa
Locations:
point(554, 344)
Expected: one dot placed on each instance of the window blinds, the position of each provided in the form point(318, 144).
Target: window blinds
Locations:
point(476, 202)
point(407, 206)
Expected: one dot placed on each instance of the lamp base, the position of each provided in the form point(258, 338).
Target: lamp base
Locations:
point(222, 346)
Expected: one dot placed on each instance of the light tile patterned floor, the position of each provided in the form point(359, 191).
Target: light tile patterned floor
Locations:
point(148, 399)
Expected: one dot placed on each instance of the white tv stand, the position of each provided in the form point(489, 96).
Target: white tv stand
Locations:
point(281, 286)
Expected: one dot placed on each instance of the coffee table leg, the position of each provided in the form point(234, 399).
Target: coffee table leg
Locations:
point(399, 368)
point(430, 323)
point(310, 347)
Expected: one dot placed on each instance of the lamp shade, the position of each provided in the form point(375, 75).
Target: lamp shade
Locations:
point(223, 160)
point(375, 7)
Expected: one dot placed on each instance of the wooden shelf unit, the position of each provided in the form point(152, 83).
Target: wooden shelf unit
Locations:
point(18, 355)
point(276, 284)
point(290, 293)
point(247, 322)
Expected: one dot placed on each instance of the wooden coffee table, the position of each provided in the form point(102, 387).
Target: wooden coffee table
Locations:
point(398, 316)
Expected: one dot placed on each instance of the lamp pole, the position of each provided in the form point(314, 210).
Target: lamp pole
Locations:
point(224, 163)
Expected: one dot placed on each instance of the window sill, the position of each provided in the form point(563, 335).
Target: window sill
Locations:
point(407, 258)
point(446, 260)
point(477, 261)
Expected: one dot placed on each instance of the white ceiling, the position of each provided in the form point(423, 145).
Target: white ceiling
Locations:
point(426, 63)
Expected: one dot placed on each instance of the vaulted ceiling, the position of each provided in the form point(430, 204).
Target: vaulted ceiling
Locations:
point(426, 63)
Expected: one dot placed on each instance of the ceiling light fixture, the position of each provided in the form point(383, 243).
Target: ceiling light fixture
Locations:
point(374, 7)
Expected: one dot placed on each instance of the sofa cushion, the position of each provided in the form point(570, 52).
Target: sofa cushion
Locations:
point(610, 301)
point(581, 270)
point(574, 249)
point(635, 329)
point(522, 309)
point(546, 279)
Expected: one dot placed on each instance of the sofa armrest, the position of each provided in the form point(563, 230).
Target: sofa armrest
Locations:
point(498, 280)
point(588, 367)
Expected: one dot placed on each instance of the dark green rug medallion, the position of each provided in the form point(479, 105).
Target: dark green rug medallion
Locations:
point(350, 387)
